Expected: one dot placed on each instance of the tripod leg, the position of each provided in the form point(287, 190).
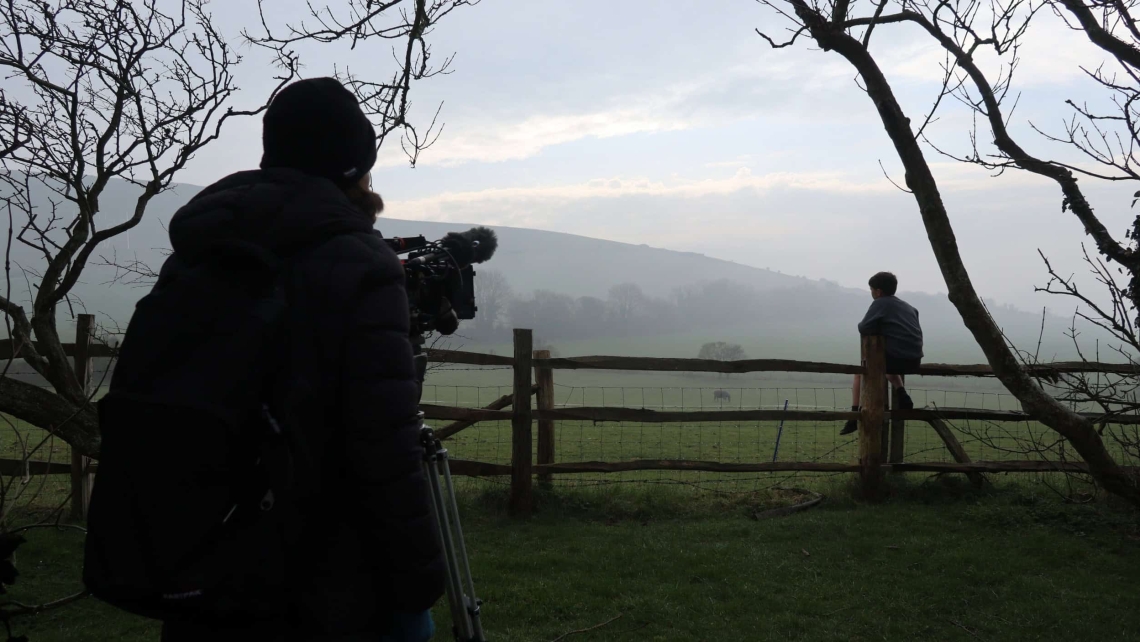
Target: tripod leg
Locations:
point(472, 602)
point(454, 586)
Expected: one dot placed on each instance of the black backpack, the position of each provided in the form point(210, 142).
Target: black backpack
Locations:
point(192, 512)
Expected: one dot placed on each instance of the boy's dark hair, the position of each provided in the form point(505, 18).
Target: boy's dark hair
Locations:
point(884, 281)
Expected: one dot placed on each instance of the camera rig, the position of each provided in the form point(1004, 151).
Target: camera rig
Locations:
point(440, 278)
point(440, 282)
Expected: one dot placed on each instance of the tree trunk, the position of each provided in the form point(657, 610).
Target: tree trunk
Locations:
point(65, 410)
point(1079, 431)
point(59, 371)
point(77, 425)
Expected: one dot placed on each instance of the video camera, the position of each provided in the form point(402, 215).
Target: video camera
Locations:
point(440, 277)
point(440, 281)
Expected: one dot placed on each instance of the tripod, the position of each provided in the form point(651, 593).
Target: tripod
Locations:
point(460, 586)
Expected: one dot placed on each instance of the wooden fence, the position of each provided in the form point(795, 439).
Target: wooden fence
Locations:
point(881, 433)
point(880, 441)
point(80, 468)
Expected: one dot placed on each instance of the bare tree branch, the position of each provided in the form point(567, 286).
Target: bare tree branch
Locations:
point(989, 106)
point(362, 21)
point(951, 25)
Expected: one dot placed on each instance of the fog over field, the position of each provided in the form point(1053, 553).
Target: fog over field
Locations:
point(589, 296)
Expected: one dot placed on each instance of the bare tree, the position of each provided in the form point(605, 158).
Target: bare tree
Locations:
point(721, 351)
point(360, 21)
point(627, 301)
point(1109, 393)
point(961, 28)
point(493, 295)
point(98, 91)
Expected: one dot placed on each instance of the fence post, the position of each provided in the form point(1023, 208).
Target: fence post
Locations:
point(885, 440)
point(898, 431)
point(521, 466)
point(80, 481)
point(873, 401)
point(544, 378)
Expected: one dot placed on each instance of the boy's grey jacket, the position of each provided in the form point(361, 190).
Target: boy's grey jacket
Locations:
point(897, 321)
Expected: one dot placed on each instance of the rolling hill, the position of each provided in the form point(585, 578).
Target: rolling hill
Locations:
point(817, 316)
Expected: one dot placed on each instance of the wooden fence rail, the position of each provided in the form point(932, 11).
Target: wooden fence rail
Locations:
point(481, 469)
point(17, 468)
point(639, 415)
point(468, 358)
point(95, 350)
point(455, 426)
point(658, 364)
point(655, 364)
point(21, 467)
point(603, 414)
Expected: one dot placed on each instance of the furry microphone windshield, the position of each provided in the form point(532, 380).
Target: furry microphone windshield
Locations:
point(476, 245)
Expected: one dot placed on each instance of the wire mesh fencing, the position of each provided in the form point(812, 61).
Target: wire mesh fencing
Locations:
point(743, 442)
point(730, 442)
point(25, 450)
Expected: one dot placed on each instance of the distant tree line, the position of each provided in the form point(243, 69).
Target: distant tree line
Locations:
point(628, 311)
point(710, 311)
point(721, 351)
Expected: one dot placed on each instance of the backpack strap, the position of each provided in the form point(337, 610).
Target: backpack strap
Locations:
point(281, 449)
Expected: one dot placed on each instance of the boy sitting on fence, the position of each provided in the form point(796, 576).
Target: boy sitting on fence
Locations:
point(897, 322)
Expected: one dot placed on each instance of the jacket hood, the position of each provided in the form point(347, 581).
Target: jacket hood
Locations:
point(277, 209)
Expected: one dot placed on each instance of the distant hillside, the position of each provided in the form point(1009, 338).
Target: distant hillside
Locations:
point(574, 265)
point(802, 311)
point(583, 266)
point(533, 259)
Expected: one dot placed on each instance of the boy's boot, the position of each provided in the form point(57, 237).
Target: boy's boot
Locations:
point(852, 425)
point(905, 402)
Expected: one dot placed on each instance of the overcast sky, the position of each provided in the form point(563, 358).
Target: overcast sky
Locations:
point(674, 124)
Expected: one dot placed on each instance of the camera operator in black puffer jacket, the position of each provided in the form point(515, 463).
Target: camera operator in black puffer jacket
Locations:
point(370, 566)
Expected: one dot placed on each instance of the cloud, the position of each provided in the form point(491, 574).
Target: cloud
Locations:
point(743, 160)
point(491, 143)
point(790, 85)
point(716, 98)
point(532, 205)
point(433, 207)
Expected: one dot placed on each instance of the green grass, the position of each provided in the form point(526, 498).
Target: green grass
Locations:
point(937, 562)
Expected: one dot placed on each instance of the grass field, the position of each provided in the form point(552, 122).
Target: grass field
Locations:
point(736, 442)
point(937, 562)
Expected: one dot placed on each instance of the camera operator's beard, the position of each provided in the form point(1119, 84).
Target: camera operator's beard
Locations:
point(365, 200)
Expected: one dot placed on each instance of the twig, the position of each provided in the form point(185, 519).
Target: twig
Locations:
point(58, 527)
point(636, 628)
point(963, 627)
point(888, 177)
point(13, 609)
point(592, 628)
point(789, 510)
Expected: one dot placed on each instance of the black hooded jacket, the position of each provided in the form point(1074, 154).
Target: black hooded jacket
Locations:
point(368, 544)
